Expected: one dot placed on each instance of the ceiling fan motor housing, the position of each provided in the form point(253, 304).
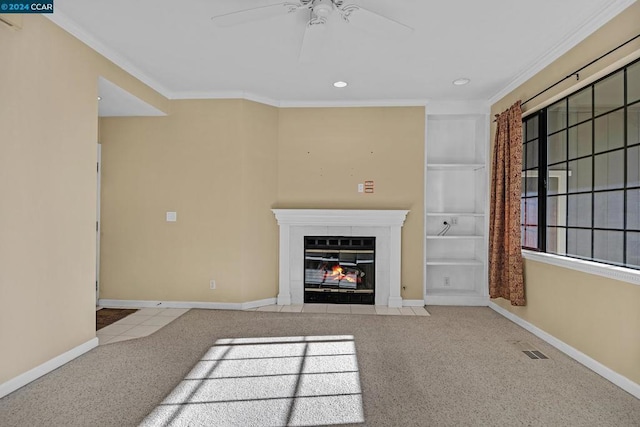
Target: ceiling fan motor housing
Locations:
point(322, 8)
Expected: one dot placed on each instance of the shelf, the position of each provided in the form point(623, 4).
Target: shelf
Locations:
point(478, 214)
point(456, 191)
point(455, 237)
point(453, 261)
point(452, 291)
point(455, 166)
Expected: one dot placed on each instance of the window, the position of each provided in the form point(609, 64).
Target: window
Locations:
point(581, 173)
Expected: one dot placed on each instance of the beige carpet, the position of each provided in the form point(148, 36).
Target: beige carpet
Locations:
point(458, 367)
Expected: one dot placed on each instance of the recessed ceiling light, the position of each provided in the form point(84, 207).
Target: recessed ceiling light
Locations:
point(340, 84)
point(461, 82)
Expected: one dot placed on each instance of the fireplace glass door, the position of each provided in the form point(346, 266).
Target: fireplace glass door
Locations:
point(339, 270)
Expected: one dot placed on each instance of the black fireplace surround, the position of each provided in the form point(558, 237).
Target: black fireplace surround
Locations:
point(339, 270)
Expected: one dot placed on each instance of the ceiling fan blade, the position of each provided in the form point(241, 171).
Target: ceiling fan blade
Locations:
point(312, 42)
point(367, 20)
point(255, 14)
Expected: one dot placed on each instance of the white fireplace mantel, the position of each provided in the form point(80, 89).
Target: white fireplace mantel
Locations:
point(384, 225)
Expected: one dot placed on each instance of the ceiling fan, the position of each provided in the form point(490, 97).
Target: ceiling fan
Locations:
point(320, 11)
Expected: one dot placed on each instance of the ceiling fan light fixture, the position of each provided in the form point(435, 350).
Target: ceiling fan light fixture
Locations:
point(323, 8)
point(461, 81)
point(340, 84)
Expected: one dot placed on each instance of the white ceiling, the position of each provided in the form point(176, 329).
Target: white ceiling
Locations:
point(176, 48)
point(113, 101)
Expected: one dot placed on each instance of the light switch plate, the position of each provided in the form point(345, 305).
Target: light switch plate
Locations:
point(172, 216)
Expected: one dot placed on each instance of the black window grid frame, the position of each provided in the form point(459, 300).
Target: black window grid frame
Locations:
point(541, 136)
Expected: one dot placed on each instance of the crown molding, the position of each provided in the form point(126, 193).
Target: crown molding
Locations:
point(298, 103)
point(597, 20)
point(356, 103)
point(63, 21)
point(117, 102)
point(225, 94)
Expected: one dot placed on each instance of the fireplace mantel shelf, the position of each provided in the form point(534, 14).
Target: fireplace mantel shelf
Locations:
point(341, 217)
point(385, 225)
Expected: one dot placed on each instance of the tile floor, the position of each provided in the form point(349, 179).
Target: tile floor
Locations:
point(345, 309)
point(139, 324)
point(146, 321)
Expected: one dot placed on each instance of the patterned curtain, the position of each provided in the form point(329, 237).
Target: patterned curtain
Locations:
point(505, 257)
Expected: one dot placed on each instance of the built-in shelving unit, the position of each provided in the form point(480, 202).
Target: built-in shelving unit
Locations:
point(445, 214)
point(456, 194)
point(461, 237)
point(454, 261)
point(455, 166)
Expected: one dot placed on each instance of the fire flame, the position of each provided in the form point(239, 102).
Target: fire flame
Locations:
point(337, 273)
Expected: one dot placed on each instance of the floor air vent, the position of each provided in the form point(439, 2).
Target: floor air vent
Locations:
point(529, 350)
point(534, 354)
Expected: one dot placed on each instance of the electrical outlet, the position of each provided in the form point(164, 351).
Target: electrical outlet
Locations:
point(360, 188)
point(454, 220)
point(212, 284)
point(447, 281)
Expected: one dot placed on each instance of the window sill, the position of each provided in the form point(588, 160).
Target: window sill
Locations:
point(609, 271)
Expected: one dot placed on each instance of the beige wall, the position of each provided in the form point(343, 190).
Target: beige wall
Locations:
point(222, 165)
point(48, 131)
point(259, 231)
point(597, 316)
point(325, 152)
point(214, 163)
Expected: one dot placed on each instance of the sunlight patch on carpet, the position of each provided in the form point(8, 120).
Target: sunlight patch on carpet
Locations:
point(280, 381)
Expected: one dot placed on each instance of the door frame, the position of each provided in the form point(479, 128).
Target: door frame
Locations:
point(98, 225)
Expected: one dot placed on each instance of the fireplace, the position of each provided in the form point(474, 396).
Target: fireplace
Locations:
point(339, 269)
point(384, 225)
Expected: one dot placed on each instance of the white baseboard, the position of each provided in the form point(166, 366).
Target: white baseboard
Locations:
point(259, 303)
point(121, 303)
point(413, 303)
point(456, 300)
point(621, 381)
point(394, 302)
point(48, 366)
